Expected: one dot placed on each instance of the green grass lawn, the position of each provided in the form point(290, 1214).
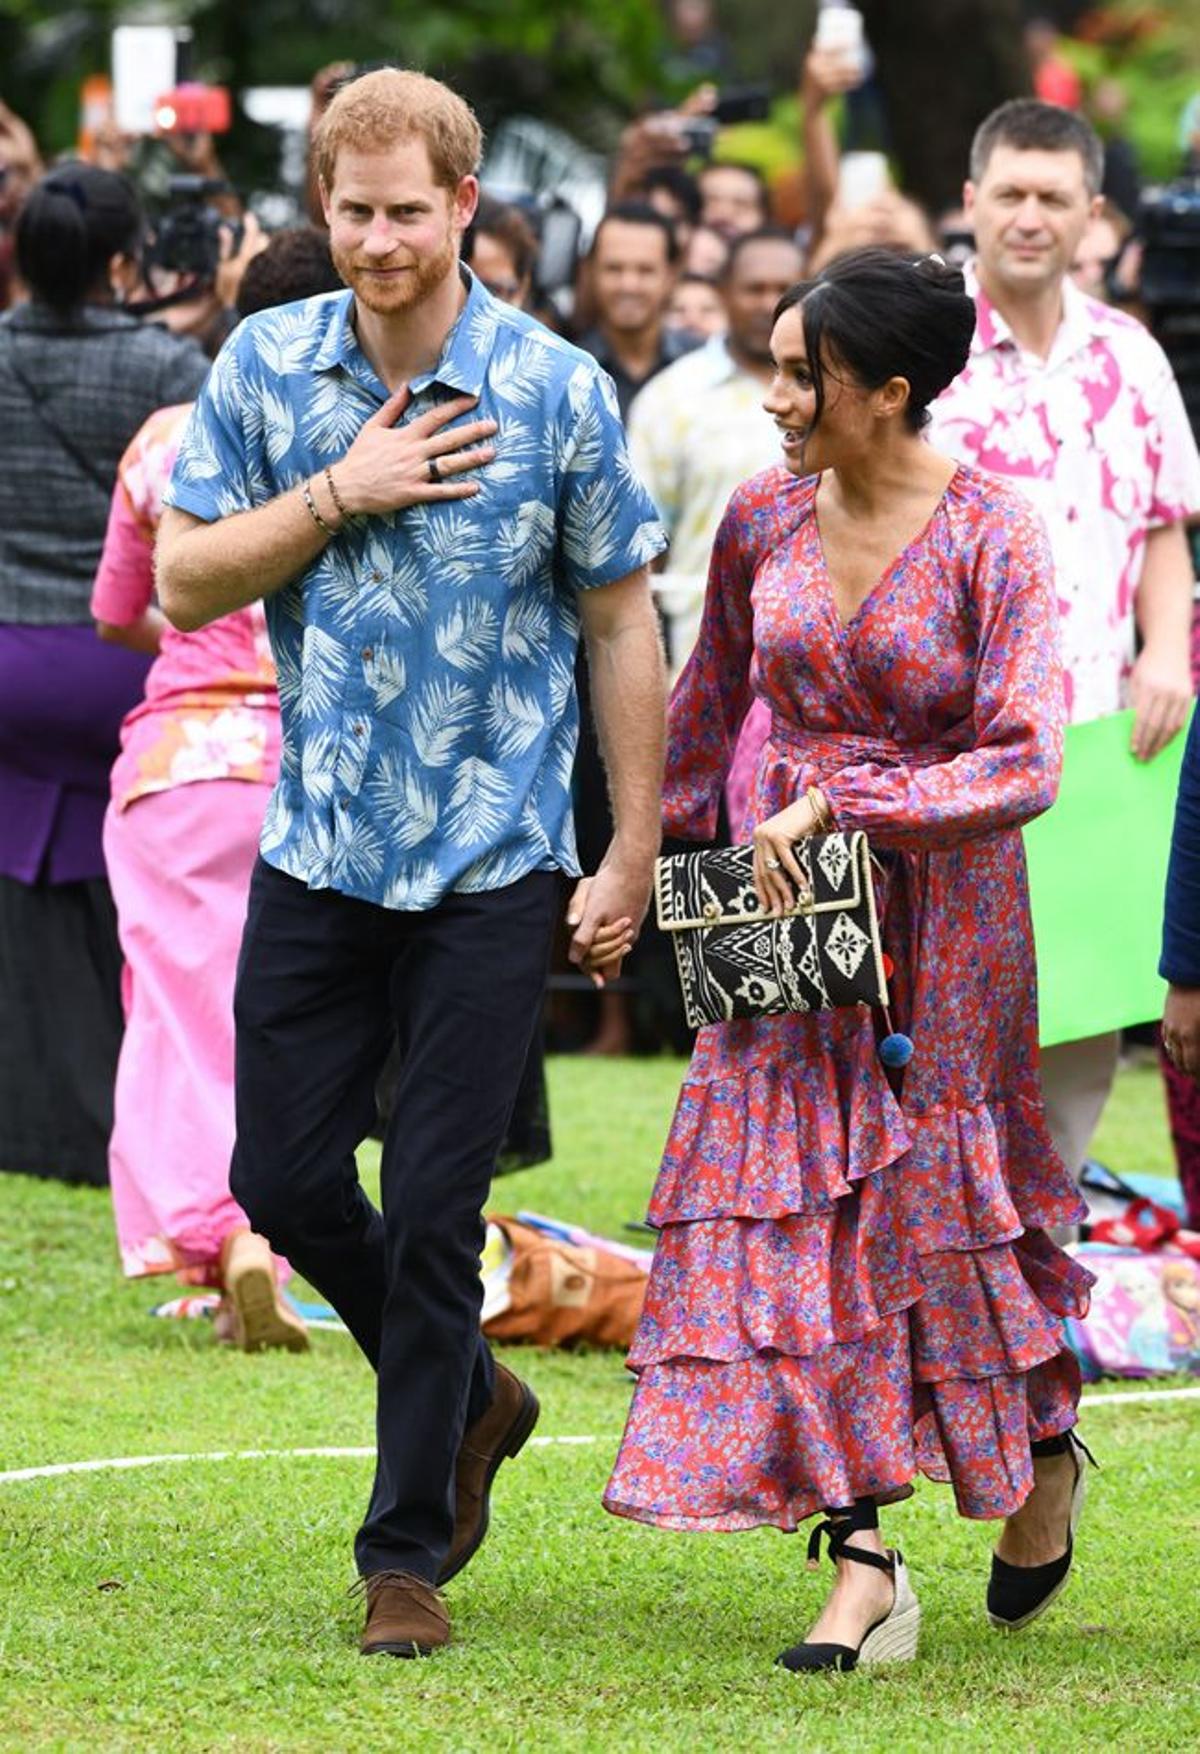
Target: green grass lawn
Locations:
point(205, 1606)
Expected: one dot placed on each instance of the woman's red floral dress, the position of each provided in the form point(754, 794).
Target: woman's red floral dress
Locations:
point(850, 1287)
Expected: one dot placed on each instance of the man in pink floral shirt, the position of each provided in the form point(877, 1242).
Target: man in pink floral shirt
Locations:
point(1076, 404)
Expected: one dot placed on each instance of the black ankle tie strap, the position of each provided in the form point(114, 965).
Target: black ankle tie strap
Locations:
point(837, 1528)
point(1063, 1445)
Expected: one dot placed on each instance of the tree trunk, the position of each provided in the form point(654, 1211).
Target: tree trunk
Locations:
point(942, 66)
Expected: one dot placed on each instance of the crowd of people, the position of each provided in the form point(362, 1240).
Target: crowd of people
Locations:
point(334, 594)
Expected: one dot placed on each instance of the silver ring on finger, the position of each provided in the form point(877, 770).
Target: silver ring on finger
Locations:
point(435, 474)
point(773, 864)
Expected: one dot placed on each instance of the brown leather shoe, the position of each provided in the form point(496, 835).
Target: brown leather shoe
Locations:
point(498, 1433)
point(405, 1616)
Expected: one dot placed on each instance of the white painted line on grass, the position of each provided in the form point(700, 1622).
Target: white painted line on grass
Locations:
point(113, 1464)
point(1123, 1397)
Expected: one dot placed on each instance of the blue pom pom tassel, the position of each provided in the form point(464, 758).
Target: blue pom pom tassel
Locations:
point(896, 1050)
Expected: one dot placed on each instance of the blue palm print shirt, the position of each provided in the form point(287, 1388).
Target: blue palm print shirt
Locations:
point(426, 658)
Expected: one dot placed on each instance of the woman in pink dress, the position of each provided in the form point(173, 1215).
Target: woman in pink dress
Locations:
point(199, 756)
point(854, 1281)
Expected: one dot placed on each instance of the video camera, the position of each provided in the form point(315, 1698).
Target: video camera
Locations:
point(1169, 226)
point(186, 240)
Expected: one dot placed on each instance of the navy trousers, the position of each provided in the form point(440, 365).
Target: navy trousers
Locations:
point(323, 983)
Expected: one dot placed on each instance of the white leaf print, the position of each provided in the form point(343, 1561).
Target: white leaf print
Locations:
point(519, 374)
point(524, 541)
point(514, 720)
point(560, 762)
point(585, 453)
point(444, 710)
point(299, 858)
point(405, 805)
point(590, 525)
point(276, 823)
point(357, 852)
point(318, 757)
point(288, 672)
point(481, 330)
point(388, 677)
point(454, 541)
point(198, 460)
point(226, 387)
point(555, 446)
point(645, 543)
point(334, 414)
point(351, 763)
point(496, 870)
point(466, 637)
point(566, 614)
point(526, 636)
point(562, 681)
point(279, 426)
point(478, 802)
point(284, 342)
point(517, 448)
point(416, 887)
point(326, 665)
point(316, 848)
point(579, 388)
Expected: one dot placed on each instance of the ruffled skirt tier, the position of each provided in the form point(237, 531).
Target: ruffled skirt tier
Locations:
point(845, 1292)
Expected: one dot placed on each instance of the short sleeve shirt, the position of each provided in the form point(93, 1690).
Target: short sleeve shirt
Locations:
point(1096, 436)
point(425, 658)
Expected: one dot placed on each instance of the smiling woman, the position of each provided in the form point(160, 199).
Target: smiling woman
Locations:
point(853, 1281)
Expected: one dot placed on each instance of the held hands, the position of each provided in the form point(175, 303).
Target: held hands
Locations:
point(1181, 1029)
point(606, 913)
point(1160, 692)
point(778, 879)
point(388, 468)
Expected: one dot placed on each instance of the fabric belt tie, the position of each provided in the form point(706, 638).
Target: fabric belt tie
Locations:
point(848, 749)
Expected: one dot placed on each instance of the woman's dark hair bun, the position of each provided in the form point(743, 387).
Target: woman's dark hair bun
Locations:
point(940, 273)
point(882, 314)
point(74, 221)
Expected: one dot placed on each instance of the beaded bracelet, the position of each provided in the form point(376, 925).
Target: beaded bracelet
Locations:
point(335, 496)
point(313, 513)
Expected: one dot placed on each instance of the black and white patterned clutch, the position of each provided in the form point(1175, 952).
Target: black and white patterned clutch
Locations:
point(735, 961)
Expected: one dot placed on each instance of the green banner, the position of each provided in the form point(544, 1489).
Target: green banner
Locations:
point(1097, 867)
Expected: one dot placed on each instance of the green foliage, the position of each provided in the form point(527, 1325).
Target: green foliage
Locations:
point(1156, 60)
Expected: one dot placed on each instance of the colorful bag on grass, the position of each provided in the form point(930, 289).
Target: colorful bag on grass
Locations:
point(1144, 1318)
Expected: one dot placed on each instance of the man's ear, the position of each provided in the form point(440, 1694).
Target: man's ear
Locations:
point(324, 193)
point(465, 202)
point(968, 199)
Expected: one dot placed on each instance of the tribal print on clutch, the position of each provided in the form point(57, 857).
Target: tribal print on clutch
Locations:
point(735, 961)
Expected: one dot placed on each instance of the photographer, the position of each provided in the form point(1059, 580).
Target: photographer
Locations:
point(78, 376)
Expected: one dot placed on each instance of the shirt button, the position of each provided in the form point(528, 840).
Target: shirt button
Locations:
point(345, 803)
point(368, 654)
point(357, 729)
point(376, 578)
